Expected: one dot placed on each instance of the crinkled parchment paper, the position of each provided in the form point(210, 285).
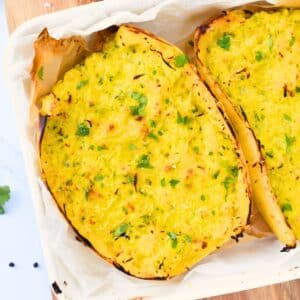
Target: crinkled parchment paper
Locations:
point(78, 271)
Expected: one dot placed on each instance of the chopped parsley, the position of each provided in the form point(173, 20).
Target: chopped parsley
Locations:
point(202, 197)
point(81, 84)
point(181, 60)
point(292, 41)
point(183, 120)
point(144, 162)
point(196, 149)
point(40, 73)
point(173, 238)
point(167, 101)
point(234, 171)
point(153, 136)
point(120, 231)
point(152, 123)
point(174, 182)
point(100, 148)
point(259, 55)
point(138, 110)
point(286, 207)
point(132, 147)
point(287, 117)
point(228, 181)
point(187, 238)
point(270, 42)
point(4, 197)
point(270, 154)
point(289, 141)
point(163, 182)
point(224, 41)
point(98, 177)
point(216, 174)
point(83, 130)
point(297, 89)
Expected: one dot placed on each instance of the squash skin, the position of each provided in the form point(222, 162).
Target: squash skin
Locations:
point(253, 142)
point(91, 152)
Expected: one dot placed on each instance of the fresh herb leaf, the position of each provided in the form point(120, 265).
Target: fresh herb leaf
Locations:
point(270, 154)
point(289, 141)
point(41, 73)
point(152, 136)
point(4, 197)
point(292, 41)
point(120, 231)
point(259, 55)
point(83, 129)
point(287, 117)
point(286, 207)
point(297, 89)
point(270, 42)
point(202, 197)
point(152, 123)
point(234, 171)
point(181, 60)
point(196, 149)
point(182, 120)
point(132, 147)
point(216, 174)
point(138, 110)
point(81, 84)
point(228, 181)
point(144, 162)
point(224, 41)
point(163, 182)
point(173, 238)
point(187, 238)
point(98, 177)
point(174, 182)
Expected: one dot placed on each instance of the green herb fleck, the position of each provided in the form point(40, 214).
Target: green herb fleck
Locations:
point(187, 238)
point(174, 182)
point(160, 132)
point(287, 117)
point(120, 231)
point(216, 174)
point(259, 55)
point(270, 154)
point(270, 42)
point(41, 73)
point(81, 84)
point(152, 123)
point(213, 212)
point(286, 207)
point(125, 210)
point(297, 89)
point(83, 130)
point(98, 177)
point(167, 101)
point(146, 219)
point(100, 148)
point(138, 110)
point(234, 171)
point(4, 197)
point(144, 162)
point(289, 141)
point(228, 181)
point(292, 41)
point(91, 147)
point(210, 153)
point(202, 197)
point(154, 72)
point(224, 41)
point(182, 120)
point(181, 60)
point(196, 149)
point(173, 238)
point(163, 182)
point(152, 136)
point(132, 147)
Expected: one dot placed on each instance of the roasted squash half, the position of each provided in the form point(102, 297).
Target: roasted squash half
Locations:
point(138, 156)
point(250, 60)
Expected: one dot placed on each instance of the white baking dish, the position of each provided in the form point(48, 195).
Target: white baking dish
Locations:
point(77, 271)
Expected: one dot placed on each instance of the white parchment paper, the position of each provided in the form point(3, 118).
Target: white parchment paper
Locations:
point(79, 272)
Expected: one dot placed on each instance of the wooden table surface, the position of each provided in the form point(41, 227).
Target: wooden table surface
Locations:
point(17, 12)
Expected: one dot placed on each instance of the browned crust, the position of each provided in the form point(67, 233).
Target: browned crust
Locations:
point(260, 227)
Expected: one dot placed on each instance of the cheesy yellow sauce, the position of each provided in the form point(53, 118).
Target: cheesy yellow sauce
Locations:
point(255, 59)
point(139, 158)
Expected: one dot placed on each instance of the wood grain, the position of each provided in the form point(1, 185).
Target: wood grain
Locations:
point(17, 12)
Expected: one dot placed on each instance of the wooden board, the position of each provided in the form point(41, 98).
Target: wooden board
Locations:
point(19, 11)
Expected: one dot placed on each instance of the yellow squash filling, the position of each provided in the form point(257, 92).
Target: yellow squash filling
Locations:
point(255, 59)
point(139, 158)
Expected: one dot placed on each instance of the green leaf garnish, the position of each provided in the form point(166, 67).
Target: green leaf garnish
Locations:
point(287, 117)
point(4, 197)
point(120, 231)
point(270, 154)
point(152, 136)
point(224, 41)
point(187, 238)
point(181, 60)
point(196, 149)
point(132, 147)
point(83, 130)
point(259, 55)
point(173, 238)
point(289, 141)
point(297, 89)
point(183, 120)
point(41, 73)
point(152, 123)
point(144, 162)
point(81, 84)
point(163, 182)
point(292, 41)
point(98, 177)
point(138, 110)
point(174, 182)
point(286, 207)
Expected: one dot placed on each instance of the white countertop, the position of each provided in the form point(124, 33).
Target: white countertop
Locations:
point(20, 241)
